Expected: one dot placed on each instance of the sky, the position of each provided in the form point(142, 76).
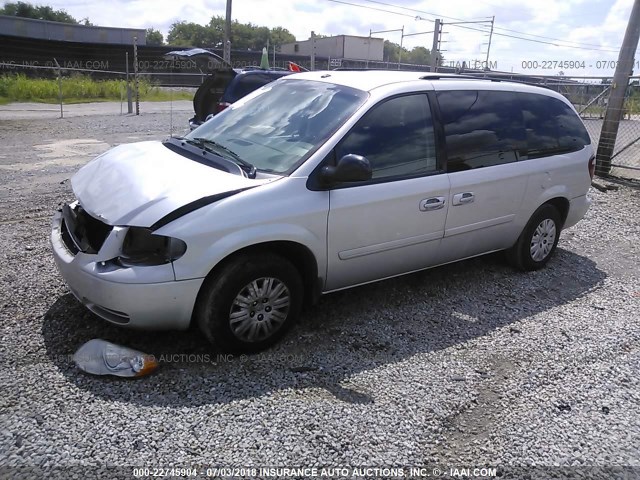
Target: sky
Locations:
point(577, 37)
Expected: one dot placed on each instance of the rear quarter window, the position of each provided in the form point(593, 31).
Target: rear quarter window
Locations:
point(484, 128)
point(551, 126)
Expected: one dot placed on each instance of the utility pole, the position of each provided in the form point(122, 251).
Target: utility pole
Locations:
point(226, 52)
point(613, 115)
point(435, 46)
point(368, 49)
point(312, 66)
point(489, 45)
point(401, 42)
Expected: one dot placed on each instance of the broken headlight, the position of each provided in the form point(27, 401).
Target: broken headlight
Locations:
point(142, 247)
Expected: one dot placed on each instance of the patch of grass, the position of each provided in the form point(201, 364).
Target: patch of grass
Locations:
point(77, 89)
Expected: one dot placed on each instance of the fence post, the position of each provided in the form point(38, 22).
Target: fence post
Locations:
point(135, 73)
point(129, 103)
point(312, 65)
point(59, 86)
point(619, 86)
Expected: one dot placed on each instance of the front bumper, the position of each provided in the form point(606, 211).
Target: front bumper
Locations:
point(138, 297)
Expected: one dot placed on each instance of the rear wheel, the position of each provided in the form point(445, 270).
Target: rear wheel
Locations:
point(251, 303)
point(538, 240)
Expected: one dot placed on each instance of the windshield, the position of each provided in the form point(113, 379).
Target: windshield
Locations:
point(280, 125)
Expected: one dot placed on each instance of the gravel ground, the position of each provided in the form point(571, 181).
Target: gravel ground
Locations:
point(463, 366)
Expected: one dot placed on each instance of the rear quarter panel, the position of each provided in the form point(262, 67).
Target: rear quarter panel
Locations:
point(565, 175)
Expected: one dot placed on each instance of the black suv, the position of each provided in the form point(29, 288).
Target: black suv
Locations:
point(224, 85)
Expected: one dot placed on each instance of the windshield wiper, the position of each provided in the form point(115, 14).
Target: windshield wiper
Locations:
point(203, 142)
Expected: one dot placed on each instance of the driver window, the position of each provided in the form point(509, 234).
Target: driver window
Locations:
point(396, 136)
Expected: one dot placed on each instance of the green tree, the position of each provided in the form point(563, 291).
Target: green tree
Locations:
point(27, 10)
point(243, 35)
point(280, 36)
point(419, 56)
point(189, 34)
point(216, 25)
point(154, 37)
point(391, 52)
point(416, 56)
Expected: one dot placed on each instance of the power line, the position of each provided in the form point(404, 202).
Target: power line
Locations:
point(496, 28)
point(547, 38)
point(563, 42)
point(373, 8)
point(534, 41)
point(413, 10)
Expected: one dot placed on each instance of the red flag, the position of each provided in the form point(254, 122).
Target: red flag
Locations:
point(294, 67)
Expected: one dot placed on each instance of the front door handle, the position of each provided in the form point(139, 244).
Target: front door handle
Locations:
point(433, 203)
point(463, 198)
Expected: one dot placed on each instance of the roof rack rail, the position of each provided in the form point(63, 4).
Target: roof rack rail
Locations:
point(459, 76)
point(464, 76)
point(348, 69)
point(493, 79)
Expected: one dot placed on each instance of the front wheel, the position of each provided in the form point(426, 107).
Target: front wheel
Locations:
point(251, 303)
point(538, 240)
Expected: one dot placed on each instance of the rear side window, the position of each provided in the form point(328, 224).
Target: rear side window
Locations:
point(482, 128)
point(551, 126)
point(245, 84)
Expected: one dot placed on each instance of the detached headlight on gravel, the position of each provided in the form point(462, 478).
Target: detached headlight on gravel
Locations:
point(142, 247)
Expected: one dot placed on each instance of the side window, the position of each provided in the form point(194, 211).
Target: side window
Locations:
point(247, 84)
point(551, 126)
point(396, 136)
point(482, 128)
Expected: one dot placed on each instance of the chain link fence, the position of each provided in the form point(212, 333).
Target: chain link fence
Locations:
point(590, 98)
point(70, 85)
point(589, 95)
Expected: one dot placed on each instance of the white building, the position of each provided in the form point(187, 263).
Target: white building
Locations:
point(339, 47)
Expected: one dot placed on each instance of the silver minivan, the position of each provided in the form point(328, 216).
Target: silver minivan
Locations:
point(317, 182)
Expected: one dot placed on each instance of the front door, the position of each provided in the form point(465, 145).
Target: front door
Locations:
point(394, 223)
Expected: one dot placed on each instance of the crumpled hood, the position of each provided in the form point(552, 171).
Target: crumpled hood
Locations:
point(139, 183)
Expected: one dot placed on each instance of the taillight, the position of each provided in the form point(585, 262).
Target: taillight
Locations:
point(221, 106)
point(592, 166)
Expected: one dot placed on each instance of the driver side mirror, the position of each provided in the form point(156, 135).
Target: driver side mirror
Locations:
point(350, 168)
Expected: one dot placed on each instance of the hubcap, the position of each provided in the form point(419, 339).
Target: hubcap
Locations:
point(543, 240)
point(259, 309)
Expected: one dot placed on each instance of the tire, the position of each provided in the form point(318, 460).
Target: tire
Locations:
point(538, 240)
point(250, 303)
